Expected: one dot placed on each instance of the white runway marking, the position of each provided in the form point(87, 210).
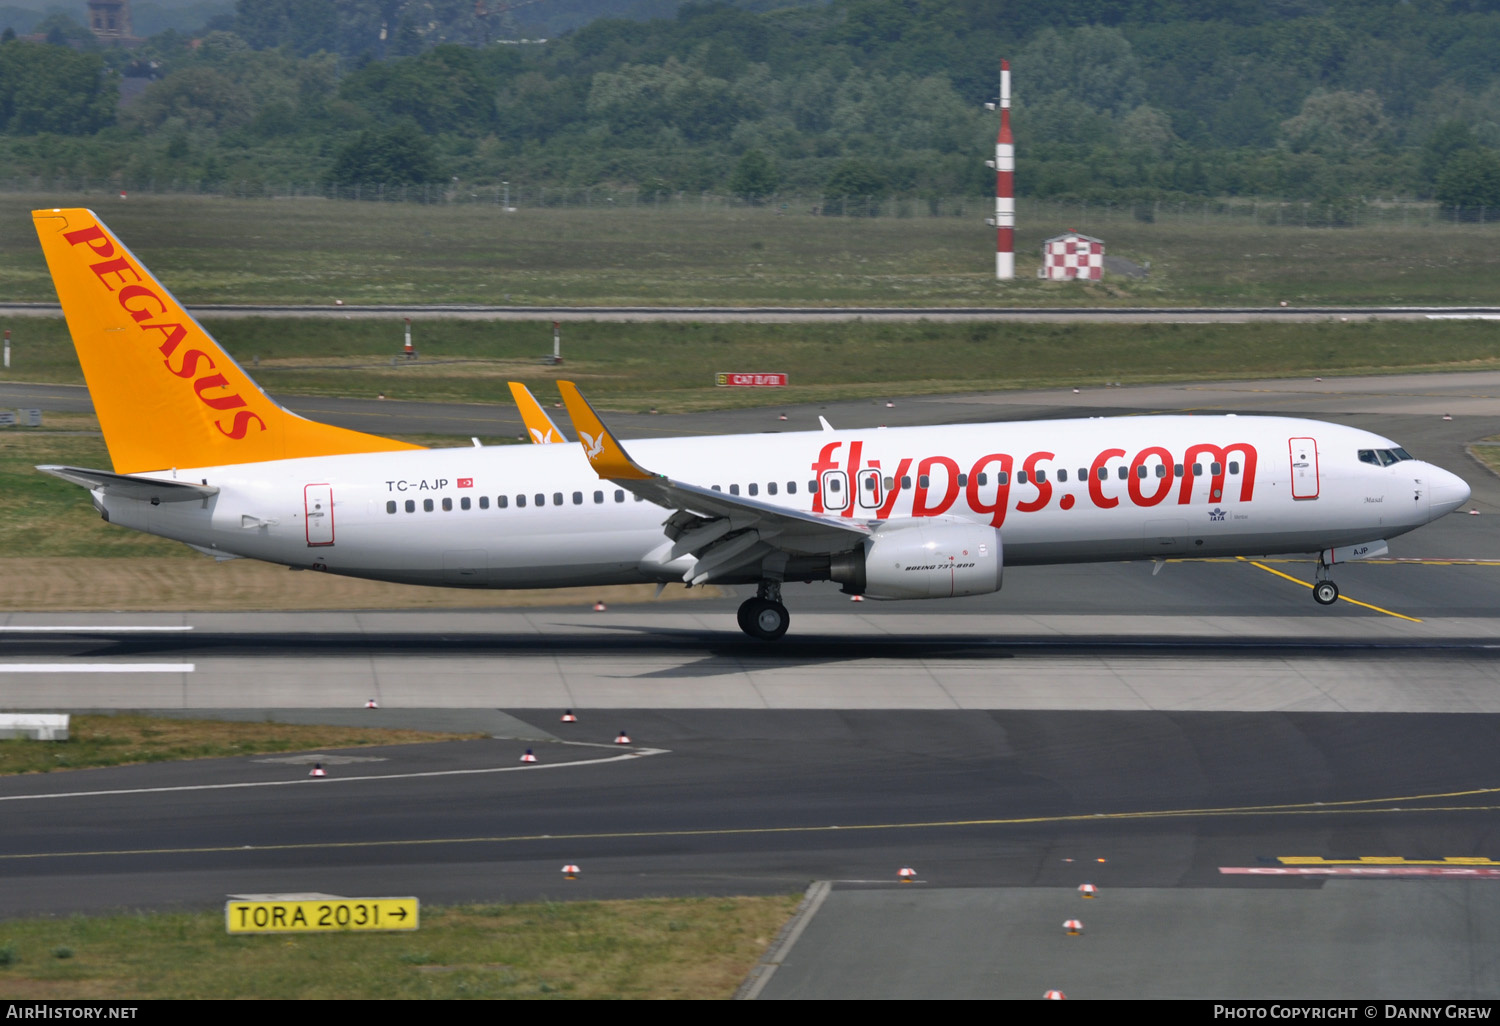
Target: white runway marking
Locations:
point(329, 781)
point(97, 667)
point(49, 629)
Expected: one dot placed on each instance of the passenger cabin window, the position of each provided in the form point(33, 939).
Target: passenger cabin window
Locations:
point(1020, 477)
point(520, 502)
point(734, 489)
point(484, 502)
point(501, 501)
point(923, 481)
point(1041, 477)
point(556, 498)
point(411, 506)
point(598, 498)
point(1161, 469)
point(619, 495)
point(791, 487)
point(1062, 476)
point(390, 507)
point(1234, 466)
point(463, 503)
point(578, 498)
point(427, 505)
point(984, 479)
point(771, 488)
point(905, 481)
point(963, 480)
point(1197, 470)
point(539, 499)
point(447, 505)
point(1177, 470)
point(1122, 472)
point(1104, 473)
point(754, 488)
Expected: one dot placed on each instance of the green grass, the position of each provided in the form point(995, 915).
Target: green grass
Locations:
point(1488, 454)
point(670, 366)
point(97, 740)
point(209, 250)
point(43, 516)
point(694, 948)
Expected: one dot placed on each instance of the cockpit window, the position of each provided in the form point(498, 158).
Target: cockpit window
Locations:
point(1383, 457)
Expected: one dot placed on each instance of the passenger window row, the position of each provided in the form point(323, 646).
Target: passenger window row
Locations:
point(502, 501)
point(924, 480)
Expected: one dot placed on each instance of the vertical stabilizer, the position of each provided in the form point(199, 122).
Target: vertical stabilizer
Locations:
point(166, 394)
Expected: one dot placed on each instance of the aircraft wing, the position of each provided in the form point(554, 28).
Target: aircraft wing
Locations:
point(538, 425)
point(723, 532)
point(129, 487)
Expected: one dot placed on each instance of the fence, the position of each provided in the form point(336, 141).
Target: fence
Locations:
point(1391, 211)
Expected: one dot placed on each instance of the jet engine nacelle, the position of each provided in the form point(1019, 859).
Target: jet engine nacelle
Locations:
point(928, 558)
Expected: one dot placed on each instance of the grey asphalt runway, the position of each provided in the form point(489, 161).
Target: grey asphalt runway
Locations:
point(1208, 718)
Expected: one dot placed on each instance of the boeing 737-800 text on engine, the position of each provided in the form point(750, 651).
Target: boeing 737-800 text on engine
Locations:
point(201, 455)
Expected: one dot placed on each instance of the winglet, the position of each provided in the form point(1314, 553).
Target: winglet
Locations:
point(608, 458)
point(538, 425)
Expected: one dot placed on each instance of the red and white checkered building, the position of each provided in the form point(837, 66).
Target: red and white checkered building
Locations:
point(1072, 256)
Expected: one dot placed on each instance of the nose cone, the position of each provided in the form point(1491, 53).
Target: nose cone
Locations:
point(1446, 492)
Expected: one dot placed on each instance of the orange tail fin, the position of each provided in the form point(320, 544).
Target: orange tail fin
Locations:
point(166, 394)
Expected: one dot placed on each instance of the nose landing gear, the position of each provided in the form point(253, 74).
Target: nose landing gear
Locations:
point(764, 616)
point(1325, 592)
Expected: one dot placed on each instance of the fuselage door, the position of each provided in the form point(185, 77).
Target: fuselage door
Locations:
point(317, 502)
point(1304, 453)
point(835, 487)
point(869, 489)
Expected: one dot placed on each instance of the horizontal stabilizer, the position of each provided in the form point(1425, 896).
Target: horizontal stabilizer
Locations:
point(125, 486)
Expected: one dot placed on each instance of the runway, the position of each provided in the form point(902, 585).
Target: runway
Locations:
point(1209, 718)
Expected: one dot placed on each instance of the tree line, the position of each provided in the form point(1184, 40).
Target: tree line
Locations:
point(1116, 101)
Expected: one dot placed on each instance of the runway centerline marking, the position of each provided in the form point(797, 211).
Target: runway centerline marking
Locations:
point(1352, 806)
point(1345, 598)
point(638, 753)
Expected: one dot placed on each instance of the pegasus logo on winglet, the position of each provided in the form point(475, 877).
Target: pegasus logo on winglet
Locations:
point(594, 444)
point(542, 437)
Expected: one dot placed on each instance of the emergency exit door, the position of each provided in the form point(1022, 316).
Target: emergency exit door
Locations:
point(317, 502)
point(1304, 452)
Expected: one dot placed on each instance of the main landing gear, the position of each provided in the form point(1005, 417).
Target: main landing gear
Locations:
point(1325, 592)
point(764, 616)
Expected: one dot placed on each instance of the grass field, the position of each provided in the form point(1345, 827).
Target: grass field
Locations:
point(689, 948)
point(210, 250)
point(121, 740)
point(671, 366)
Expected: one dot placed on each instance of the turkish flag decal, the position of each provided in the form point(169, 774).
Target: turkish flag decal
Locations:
point(466, 482)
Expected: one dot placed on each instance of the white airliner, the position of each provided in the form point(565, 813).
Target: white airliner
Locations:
point(201, 455)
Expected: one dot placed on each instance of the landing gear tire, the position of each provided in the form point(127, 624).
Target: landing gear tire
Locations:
point(763, 619)
point(1325, 593)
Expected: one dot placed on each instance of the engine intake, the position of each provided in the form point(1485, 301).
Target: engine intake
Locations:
point(928, 559)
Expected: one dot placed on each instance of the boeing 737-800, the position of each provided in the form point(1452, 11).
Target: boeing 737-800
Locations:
point(201, 455)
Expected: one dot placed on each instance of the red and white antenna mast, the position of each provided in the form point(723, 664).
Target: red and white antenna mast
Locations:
point(1005, 186)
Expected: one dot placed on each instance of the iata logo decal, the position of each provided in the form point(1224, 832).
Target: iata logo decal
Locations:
point(1216, 514)
point(144, 306)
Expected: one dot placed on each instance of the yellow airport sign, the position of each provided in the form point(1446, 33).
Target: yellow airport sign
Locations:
point(324, 915)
